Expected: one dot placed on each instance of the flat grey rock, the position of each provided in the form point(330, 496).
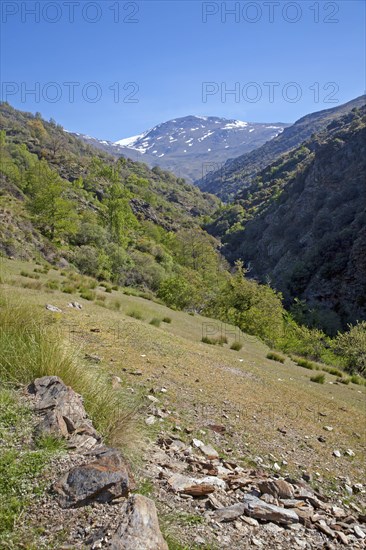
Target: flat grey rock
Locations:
point(256, 508)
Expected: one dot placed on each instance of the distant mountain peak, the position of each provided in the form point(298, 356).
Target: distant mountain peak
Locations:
point(190, 145)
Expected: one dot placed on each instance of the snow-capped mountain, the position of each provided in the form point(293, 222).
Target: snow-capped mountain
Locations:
point(193, 145)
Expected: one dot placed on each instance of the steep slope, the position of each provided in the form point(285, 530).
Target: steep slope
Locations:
point(117, 220)
point(71, 157)
point(191, 146)
point(302, 224)
point(238, 173)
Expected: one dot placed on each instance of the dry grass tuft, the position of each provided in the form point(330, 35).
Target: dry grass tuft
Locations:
point(31, 348)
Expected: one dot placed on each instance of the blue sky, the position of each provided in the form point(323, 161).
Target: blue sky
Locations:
point(173, 58)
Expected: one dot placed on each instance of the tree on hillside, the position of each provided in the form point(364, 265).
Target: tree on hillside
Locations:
point(255, 309)
point(48, 203)
point(121, 221)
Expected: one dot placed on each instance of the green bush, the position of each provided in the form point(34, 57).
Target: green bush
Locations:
point(88, 294)
point(318, 378)
point(29, 275)
point(356, 379)
point(68, 288)
point(332, 370)
point(135, 314)
point(167, 320)
point(86, 259)
point(155, 322)
point(351, 346)
point(236, 346)
point(52, 284)
point(256, 309)
point(344, 380)
point(210, 341)
point(275, 357)
point(219, 341)
point(306, 364)
point(176, 292)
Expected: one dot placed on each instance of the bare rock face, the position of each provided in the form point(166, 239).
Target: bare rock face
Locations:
point(101, 480)
point(258, 509)
point(62, 413)
point(139, 528)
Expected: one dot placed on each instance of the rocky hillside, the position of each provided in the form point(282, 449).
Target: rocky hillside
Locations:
point(238, 173)
point(123, 423)
point(192, 146)
point(301, 224)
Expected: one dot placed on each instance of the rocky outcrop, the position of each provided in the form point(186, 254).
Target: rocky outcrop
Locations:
point(103, 475)
point(62, 413)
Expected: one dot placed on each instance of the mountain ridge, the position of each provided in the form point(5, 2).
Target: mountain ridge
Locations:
point(239, 172)
point(192, 145)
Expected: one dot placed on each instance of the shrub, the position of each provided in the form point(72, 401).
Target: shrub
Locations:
point(275, 357)
point(302, 340)
point(356, 379)
point(86, 259)
point(135, 314)
point(344, 380)
point(176, 292)
point(88, 294)
point(256, 309)
point(214, 341)
point(210, 341)
point(306, 364)
point(351, 346)
point(236, 346)
point(318, 378)
point(333, 371)
point(29, 275)
point(53, 285)
point(167, 320)
point(69, 288)
point(155, 322)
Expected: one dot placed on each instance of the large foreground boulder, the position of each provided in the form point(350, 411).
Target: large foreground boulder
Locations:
point(101, 480)
point(62, 413)
point(139, 528)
